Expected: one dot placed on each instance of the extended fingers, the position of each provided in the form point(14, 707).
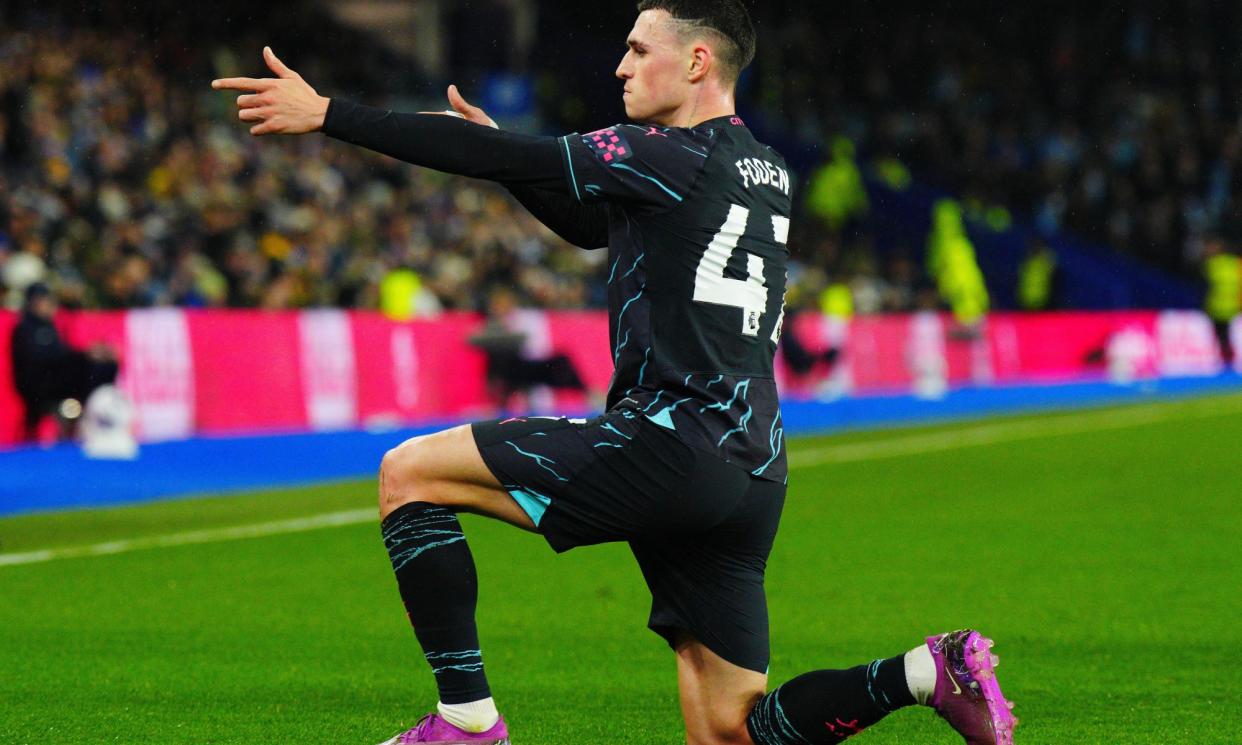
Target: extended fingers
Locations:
point(465, 110)
point(275, 65)
point(254, 114)
point(244, 84)
point(459, 102)
point(266, 128)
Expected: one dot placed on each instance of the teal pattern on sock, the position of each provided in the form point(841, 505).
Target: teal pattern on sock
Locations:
point(440, 589)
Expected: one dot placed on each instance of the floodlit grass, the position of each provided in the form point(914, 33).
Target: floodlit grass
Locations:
point(1101, 550)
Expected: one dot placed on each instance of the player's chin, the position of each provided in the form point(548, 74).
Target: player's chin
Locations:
point(634, 112)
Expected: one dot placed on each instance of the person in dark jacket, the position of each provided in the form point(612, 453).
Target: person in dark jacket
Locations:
point(47, 371)
point(510, 370)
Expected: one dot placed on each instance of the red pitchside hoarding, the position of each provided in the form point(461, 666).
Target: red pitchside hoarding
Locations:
point(228, 371)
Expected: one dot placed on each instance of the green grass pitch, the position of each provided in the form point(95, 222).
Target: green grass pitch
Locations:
point(1102, 549)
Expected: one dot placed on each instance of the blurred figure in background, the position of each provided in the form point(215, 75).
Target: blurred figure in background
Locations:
point(837, 303)
point(513, 367)
point(1223, 302)
point(800, 358)
point(1037, 278)
point(836, 194)
point(404, 295)
point(951, 263)
point(50, 376)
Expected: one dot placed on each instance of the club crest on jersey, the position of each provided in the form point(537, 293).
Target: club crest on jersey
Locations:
point(608, 145)
point(752, 323)
point(755, 171)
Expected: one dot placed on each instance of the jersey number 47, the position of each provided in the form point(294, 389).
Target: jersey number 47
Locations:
point(750, 294)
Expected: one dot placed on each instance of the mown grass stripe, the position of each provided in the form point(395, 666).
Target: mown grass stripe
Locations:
point(186, 538)
point(1001, 432)
point(890, 447)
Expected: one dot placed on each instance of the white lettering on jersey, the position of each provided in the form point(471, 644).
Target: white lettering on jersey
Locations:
point(761, 172)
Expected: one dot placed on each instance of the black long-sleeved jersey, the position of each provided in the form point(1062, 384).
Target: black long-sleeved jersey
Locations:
point(695, 220)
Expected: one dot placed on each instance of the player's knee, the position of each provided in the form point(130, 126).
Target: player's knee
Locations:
point(733, 731)
point(722, 732)
point(722, 725)
point(407, 463)
point(405, 475)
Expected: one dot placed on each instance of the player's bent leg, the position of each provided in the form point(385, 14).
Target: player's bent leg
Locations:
point(424, 482)
point(445, 469)
point(826, 706)
point(716, 695)
point(952, 673)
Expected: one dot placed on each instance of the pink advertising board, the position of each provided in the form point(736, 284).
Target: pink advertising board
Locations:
point(230, 371)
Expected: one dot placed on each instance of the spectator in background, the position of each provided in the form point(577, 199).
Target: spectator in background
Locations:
point(511, 368)
point(403, 296)
point(800, 358)
point(1223, 302)
point(48, 373)
point(123, 189)
point(1116, 122)
point(1037, 278)
point(951, 263)
point(836, 192)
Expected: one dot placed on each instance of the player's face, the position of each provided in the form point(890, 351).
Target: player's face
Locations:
point(654, 69)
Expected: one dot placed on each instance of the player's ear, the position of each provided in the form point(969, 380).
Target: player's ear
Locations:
point(701, 61)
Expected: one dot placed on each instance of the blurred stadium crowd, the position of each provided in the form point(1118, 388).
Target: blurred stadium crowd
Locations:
point(125, 189)
point(126, 182)
point(1118, 122)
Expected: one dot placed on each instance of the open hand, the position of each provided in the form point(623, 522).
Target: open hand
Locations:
point(465, 110)
point(285, 104)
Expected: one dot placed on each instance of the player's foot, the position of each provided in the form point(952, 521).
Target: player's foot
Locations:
point(968, 695)
point(433, 728)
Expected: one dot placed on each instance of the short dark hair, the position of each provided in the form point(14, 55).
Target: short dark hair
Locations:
point(727, 19)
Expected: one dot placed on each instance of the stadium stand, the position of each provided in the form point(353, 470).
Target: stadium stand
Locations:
point(127, 184)
point(134, 188)
point(1116, 124)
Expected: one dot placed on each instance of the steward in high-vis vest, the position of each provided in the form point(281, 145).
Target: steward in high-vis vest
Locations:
point(403, 295)
point(837, 193)
point(1223, 302)
point(1037, 278)
point(952, 265)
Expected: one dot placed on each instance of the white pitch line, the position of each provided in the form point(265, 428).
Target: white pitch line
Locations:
point(209, 535)
point(932, 442)
point(993, 434)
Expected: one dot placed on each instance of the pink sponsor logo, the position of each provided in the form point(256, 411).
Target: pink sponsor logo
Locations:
point(608, 145)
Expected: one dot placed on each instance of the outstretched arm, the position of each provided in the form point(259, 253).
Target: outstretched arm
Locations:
point(449, 144)
point(584, 225)
point(287, 104)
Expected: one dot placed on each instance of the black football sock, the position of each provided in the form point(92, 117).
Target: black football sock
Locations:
point(828, 706)
point(439, 586)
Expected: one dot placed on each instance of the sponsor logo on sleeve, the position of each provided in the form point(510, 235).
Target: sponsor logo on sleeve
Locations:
point(608, 145)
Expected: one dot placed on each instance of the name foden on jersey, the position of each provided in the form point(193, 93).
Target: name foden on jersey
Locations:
point(755, 171)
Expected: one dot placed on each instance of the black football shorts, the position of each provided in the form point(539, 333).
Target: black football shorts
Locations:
point(700, 528)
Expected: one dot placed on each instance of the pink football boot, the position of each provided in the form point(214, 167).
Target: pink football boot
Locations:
point(968, 696)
